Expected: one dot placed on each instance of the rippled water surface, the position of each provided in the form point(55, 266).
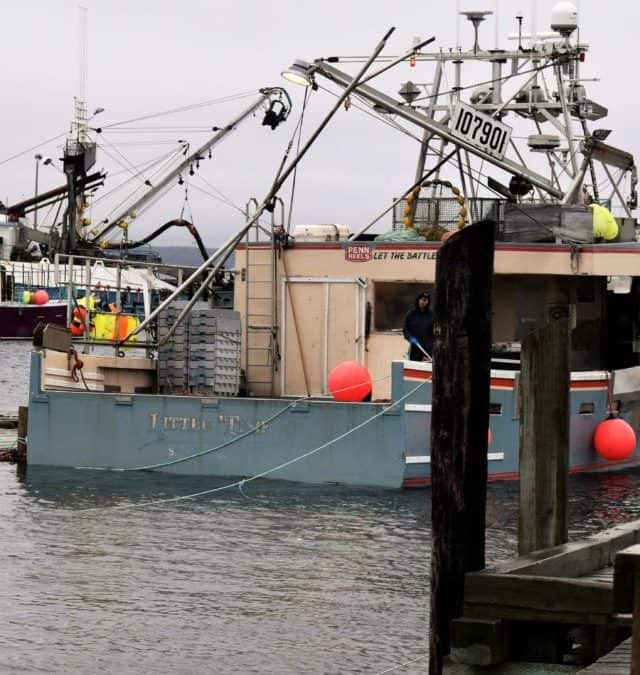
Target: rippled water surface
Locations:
point(283, 578)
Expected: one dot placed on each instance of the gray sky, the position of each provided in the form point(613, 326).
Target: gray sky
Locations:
point(151, 56)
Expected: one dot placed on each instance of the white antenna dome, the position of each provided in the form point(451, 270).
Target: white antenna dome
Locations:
point(564, 18)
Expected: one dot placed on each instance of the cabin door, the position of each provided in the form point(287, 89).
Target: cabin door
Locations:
point(323, 323)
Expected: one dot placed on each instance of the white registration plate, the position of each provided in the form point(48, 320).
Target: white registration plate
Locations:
point(480, 130)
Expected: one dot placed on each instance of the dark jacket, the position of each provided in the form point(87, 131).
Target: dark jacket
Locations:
point(419, 324)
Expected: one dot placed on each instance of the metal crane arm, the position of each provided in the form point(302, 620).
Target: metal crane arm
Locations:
point(265, 95)
point(412, 115)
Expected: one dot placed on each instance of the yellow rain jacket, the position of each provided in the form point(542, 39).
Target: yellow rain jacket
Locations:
point(604, 224)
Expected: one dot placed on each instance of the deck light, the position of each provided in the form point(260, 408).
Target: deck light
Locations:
point(301, 73)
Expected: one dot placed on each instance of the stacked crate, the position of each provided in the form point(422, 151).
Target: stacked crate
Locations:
point(203, 355)
point(172, 356)
point(214, 351)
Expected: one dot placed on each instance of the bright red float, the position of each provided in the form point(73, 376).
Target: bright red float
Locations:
point(614, 439)
point(41, 297)
point(349, 381)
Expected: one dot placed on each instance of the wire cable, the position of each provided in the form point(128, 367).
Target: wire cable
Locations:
point(402, 665)
point(194, 106)
point(262, 474)
point(260, 426)
point(31, 149)
point(305, 100)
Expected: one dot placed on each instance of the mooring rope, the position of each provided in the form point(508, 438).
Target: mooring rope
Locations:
point(260, 426)
point(402, 665)
point(242, 482)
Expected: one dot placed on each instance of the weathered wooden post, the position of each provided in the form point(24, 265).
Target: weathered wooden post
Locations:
point(544, 437)
point(21, 444)
point(459, 424)
point(626, 596)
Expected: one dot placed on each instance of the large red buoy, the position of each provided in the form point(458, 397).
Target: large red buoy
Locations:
point(614, 439)
point(349, 381)
point(41, 297)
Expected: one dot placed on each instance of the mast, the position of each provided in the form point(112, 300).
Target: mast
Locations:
point(464, 118)
point(80, 151)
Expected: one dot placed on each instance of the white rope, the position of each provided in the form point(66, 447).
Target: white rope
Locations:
point(240, 483)
point(402, 665)
point(262, 425)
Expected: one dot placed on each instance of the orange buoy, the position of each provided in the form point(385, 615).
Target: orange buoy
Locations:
point(489, 437)
point(77, 326)
point(41, 297)
point(77, 329)
point(614, 439)
point(349, 381)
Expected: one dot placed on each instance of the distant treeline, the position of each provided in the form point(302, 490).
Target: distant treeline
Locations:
point(185, 255)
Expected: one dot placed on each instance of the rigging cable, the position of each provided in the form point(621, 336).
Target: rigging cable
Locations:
point(295, 171)
point(35, 147)
point(194, 106)
point(171, 158)
point(261, 426)
point(241, 483)
point(219, 196)
point(148, 164)
point(503, 78)
point(135, 173)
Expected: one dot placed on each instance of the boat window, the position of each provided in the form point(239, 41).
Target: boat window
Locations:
point(495, 408)
point(587, 408)
point(393, 301)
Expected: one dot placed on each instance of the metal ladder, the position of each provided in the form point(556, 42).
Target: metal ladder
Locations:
point(261, 331)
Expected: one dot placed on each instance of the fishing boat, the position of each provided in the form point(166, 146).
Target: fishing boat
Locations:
point(45, 291)
point(247, 394)
point(71, 258)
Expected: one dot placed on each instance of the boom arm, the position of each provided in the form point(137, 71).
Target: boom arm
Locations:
point(265, 95)
point(377, 98)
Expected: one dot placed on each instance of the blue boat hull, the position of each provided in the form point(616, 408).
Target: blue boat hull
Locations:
point(588, 407)
point(112, 431)
point(312, 441)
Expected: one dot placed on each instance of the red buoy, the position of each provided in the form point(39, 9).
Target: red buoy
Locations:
point(349, 381)
point(614, 439)
point(41, 297)
point(489, 437)
point(80, 314)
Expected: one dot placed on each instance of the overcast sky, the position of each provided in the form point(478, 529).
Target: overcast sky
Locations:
point(151, 56)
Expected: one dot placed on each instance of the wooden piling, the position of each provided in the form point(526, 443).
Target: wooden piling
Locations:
point(626, 597)
point(21, 444)
point(544, 437)
point(459, 424)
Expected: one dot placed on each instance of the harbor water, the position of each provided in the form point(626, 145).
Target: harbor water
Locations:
point(276, 578)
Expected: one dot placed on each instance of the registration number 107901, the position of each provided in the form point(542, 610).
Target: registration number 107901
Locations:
point(480, 130)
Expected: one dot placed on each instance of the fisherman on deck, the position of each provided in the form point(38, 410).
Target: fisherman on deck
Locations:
point(418, 329)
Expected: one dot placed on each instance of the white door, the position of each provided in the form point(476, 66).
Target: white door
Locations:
point(323, 323)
